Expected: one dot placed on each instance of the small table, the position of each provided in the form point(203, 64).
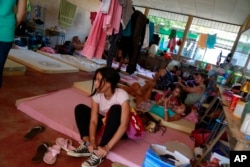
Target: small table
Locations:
point(60, 36)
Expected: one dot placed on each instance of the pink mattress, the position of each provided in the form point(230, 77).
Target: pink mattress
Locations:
point(56, 110)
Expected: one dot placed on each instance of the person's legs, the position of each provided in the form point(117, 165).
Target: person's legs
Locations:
point(82, 117)
point(112, 124)
point(147, 89)
point(4, 51)
point(134, 89)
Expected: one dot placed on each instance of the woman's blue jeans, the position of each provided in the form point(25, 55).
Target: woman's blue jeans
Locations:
point(4, 51)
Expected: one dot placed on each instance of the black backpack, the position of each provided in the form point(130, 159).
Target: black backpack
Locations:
point(66, 48)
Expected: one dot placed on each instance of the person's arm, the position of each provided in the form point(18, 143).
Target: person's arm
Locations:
point(93, 124)
point(196, 89)
point(20, 11)
point(176, 117)
point(166, 109)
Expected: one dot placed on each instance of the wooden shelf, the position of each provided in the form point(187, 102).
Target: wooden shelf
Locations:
point(236, 137)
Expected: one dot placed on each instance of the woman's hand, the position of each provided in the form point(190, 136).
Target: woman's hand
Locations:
point(91, 148)
point(102, 151)
point(179, 80)
point(162, 72)
point(160, 101)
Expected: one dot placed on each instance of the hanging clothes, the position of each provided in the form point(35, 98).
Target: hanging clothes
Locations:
point(211, 41)
point(171, 45)
point(105, 6)
point(172, 41)
point(127, 11)
point(104, 24)
point(138, 26)
point(92, 17)
point(202, 41)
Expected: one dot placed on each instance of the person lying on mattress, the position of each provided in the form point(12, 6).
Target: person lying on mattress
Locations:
point(176, 112)
point(108, 115)
point(162, 80)
point(174, 108)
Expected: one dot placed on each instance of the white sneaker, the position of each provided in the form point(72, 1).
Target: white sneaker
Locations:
point(81, 151)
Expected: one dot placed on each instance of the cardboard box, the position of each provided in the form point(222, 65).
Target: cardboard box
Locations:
point(152, 157)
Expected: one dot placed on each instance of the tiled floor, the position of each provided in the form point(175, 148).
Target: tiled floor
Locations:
point(14, 151)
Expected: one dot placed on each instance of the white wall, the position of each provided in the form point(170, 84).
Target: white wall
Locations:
point(81, 24)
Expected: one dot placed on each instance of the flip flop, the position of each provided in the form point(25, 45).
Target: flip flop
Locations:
point(33, 132)
point(41, 150)
point(65, 144)
point(51, 155)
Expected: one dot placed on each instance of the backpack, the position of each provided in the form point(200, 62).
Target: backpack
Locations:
point(66, 48)
point(135, 128)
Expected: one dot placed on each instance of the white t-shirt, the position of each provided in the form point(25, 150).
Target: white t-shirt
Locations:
point(119, 97)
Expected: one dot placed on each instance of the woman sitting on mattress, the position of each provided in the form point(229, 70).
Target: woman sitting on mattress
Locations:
point(194, 93)
point(108, 116)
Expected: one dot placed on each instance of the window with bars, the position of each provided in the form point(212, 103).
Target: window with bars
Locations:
point(225, 35)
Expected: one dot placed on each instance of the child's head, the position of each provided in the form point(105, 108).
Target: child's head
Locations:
point(105, 76)
point(178, 90)
point(182, 109)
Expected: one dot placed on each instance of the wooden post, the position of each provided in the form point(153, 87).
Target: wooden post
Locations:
point(188, 25)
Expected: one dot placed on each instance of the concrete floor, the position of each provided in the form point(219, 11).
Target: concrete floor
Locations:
point(14, 124)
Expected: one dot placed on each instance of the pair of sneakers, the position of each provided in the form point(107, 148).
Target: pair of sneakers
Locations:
point(82, 151)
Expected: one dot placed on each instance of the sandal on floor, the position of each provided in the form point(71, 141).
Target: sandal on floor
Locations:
point(33, 132)
point(41, 150)
point(51, 155)
point(65, 144)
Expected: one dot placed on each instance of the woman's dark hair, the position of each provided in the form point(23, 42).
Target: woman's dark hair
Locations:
point(182, 94)
point(108, 74)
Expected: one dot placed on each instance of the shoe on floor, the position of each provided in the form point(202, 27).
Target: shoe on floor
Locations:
point(81, 151)
point(93, 161)
point(65, 144)
point(33, 132)
point(51, 155)
point(41, 150)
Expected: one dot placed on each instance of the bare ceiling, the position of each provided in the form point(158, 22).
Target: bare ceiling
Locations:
point(228, 11)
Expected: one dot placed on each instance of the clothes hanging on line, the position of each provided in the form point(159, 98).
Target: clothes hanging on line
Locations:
point(104, 24)
point(202, 42)
point(211, 41)
point(127, 11)
point(105, 6)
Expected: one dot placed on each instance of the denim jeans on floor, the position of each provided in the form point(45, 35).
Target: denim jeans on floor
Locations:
point(4, 50)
